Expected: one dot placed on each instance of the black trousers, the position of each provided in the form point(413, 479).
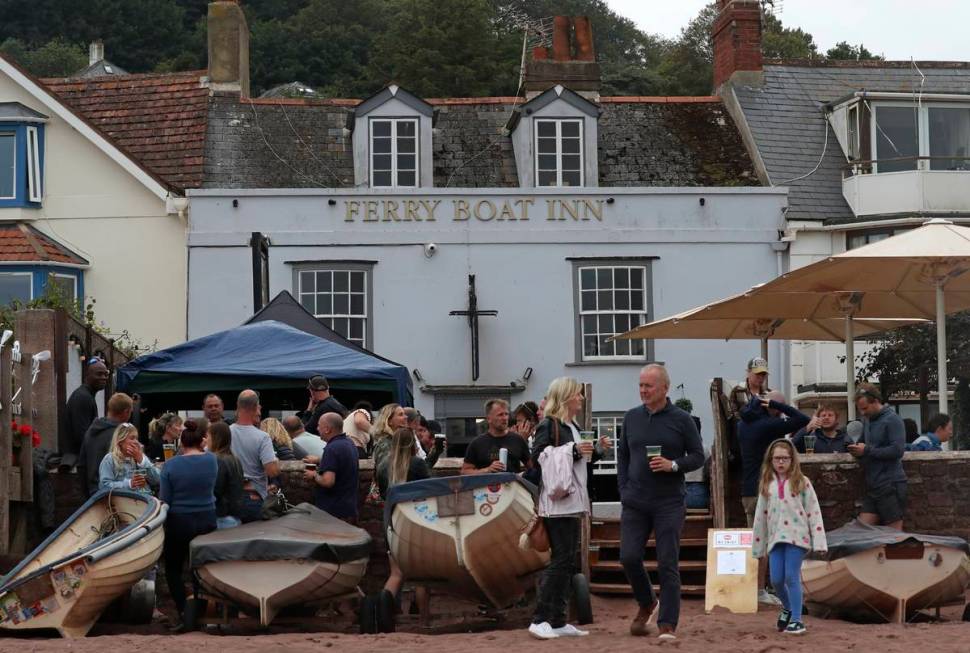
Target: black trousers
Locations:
point(180, 528)
point(555, 588)
point(665, 519)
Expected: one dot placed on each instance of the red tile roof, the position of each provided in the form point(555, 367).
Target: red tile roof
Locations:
point(159, 119)
point(21, 242)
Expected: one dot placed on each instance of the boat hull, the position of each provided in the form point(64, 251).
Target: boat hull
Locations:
point(69, 592)
point(268, 586)
point(474, 553)
point(878, 585)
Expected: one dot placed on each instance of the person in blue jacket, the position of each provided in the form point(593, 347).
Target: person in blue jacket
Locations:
point(938, 430)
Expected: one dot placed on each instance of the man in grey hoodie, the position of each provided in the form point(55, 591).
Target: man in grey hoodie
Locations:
point(881, 455)
point(97, 439)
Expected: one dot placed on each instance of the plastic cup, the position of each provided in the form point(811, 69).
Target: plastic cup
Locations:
point(588, 436)
point(503, 457)
point(809, 444)
point(653, 451)
point(169, 451)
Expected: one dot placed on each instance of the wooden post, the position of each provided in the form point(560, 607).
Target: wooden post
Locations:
point(6, 450)
point(718, 479)
point(27, 415)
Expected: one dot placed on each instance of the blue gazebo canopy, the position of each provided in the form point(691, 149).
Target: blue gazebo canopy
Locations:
point(261, 354)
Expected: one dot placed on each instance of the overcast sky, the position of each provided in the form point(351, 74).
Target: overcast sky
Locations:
point(928, 30)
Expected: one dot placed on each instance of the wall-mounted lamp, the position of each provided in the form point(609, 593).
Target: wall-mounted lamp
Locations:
point(332, 202)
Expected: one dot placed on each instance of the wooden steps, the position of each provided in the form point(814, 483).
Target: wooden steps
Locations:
point(605, 588)
point(607, 577)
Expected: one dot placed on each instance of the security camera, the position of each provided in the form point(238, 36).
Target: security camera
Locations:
point(430, 249)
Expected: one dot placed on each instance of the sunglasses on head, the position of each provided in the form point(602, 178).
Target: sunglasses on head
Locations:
point(94, 359)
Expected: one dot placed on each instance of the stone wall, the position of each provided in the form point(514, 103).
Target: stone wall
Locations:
point(938, 493)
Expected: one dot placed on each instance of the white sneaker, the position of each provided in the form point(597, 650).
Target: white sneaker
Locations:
point(543, 631)
point(570, 630)
point(765, 597)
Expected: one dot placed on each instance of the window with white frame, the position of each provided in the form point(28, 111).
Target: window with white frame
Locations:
point(394, 153)
point(611, 426)
point(339, 297)
point(16, 286)
point(8, 165)
point(35, 191)
point(911, 136)
point(559, 152)
point(612, 299)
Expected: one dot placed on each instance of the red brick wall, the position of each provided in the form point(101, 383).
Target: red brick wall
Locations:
point(736, 38)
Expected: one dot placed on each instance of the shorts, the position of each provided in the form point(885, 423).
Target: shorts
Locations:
point(750, 504)
point(887, 501)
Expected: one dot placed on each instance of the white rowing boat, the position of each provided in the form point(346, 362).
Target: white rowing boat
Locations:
point(461, 535)
point(90, 560)
point(304, 557)
point(886, 573)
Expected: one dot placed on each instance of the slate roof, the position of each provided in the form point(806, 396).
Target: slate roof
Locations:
point(100, 68)
point(643, 141)
point(786, 122)
point(22, 242)
point(159, 119)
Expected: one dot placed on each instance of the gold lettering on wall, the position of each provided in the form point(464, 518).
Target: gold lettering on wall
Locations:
point(472, 210)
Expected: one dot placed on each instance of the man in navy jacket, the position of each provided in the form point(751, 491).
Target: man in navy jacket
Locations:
point(652, 493)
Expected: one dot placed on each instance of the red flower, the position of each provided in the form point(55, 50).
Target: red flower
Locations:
point(13, 424)
point(25, 429)
point(35, 439)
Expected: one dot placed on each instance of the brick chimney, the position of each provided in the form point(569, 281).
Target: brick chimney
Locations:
point(228, 47)
point(573, 63)
point(736, 38)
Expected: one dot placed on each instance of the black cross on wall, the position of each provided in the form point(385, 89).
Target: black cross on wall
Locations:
point(473, 314)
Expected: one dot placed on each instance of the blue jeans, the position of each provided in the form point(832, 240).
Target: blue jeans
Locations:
point(251, 508)
point(785, 561)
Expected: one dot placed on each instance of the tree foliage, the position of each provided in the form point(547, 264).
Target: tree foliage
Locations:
point(843, 51)
point(340, 48)
point(900, 357)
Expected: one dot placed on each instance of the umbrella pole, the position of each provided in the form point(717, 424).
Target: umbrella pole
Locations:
point(849, 369)
point(764, 348)
point(941, 347)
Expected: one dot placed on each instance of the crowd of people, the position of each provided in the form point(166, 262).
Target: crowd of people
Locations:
point(218, 473)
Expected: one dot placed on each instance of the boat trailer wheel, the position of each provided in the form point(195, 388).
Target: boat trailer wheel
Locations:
point(582, 606)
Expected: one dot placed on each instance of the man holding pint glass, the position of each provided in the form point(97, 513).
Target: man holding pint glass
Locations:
point(659, 444)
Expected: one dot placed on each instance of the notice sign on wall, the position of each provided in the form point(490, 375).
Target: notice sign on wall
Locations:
point(732, 574)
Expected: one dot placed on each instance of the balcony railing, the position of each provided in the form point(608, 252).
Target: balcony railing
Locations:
point(935, 184)
point(865, 166)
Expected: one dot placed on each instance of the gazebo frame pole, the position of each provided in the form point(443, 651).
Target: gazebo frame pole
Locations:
point(849, 368)
point(941, 347)
point(764, 348)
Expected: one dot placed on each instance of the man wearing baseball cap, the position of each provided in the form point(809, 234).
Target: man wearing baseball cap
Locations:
point(321, 402)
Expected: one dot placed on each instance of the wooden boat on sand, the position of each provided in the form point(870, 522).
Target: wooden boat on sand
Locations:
point(304, 557)
point(461, 535)
point(90, 560)
point(884, 573)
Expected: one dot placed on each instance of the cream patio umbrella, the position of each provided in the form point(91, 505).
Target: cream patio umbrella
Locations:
point(759, 314)
point(924, 269)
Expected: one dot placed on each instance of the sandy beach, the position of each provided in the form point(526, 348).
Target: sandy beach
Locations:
point(720, 632)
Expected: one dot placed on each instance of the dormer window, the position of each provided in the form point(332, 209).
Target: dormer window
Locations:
point(394, 153)
point(554, 139)
point(392, 140)
point(559, 152)
point(21, 156)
